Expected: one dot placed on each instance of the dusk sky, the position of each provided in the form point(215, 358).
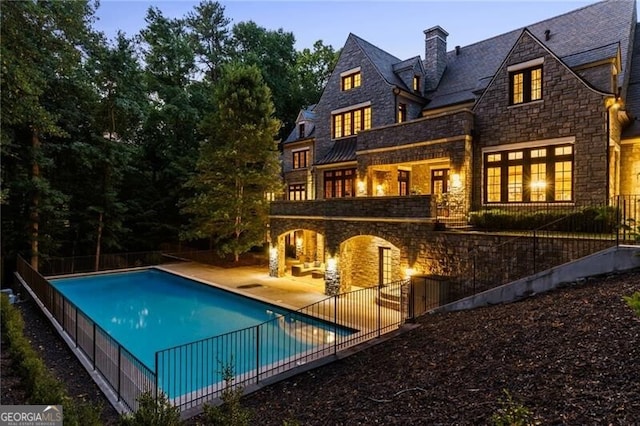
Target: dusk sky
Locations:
point(395, 26)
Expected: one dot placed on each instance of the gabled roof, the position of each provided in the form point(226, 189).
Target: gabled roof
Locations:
point(383, 62)
point(307, 115)
point(578, 37)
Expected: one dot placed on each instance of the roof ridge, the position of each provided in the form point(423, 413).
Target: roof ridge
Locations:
point(520, 29)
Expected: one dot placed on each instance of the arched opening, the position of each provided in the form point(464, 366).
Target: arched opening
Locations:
point(300, 253)
point(368, 261)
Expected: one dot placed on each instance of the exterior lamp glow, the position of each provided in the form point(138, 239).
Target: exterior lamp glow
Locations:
point(332, 264)
point(361, 187)
point(409, 272)
point(456, 182)
point(379, 190)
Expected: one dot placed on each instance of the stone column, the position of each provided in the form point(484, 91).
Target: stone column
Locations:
point(332, 277)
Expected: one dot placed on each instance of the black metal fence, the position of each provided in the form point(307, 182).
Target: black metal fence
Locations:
point(126, 375)
point(537, 238)
point(53, 266)
point(193, 373)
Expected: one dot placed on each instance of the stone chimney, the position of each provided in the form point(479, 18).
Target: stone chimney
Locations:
point(435, 53)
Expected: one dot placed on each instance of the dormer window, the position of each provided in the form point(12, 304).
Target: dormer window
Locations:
point(351, 79)
point(525, 82)
point(301, 130)
point(416, 83)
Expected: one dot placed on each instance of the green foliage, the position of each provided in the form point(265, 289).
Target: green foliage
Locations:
point(588, 220)
point(210, 37)
point(40, 385)
point(238, 164)
point(152, 412)
point(512, 413)
point(634, 302)
point(231, 412)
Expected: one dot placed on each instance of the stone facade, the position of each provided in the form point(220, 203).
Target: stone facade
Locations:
point(569, 108)
point(450, 130)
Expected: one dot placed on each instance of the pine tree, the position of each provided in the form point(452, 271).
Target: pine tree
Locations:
point(238, 165)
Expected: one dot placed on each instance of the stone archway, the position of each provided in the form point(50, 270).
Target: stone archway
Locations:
point(367, 261)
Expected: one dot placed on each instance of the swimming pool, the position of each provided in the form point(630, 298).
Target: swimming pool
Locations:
point(169, 323)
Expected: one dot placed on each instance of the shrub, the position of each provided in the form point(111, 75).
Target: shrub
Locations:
point(587, 220)
point(230, 413)
point(512, 413)
point(634, 302)
point(40, 385)
point(152, 412)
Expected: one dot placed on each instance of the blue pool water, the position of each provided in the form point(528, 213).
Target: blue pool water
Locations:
point(151, 310)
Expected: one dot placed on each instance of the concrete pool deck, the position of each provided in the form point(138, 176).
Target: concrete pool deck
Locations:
point(290, 292)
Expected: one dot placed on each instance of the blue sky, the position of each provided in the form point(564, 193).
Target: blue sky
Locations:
point(395, 26)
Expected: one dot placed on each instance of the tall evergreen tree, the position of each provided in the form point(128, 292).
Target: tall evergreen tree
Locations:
point(273, 52)
point(238, 164)
point(210, 34)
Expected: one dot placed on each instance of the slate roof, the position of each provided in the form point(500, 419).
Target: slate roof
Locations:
point(309, 116)
point(581, 36)
point(633, 92)
point(383, 61)
point(341, 151)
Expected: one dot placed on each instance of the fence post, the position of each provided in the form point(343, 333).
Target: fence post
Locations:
point(535, 240)
point(619, 221)
point(76, 336)
point(93, 357)
point(119, 368)
point(157, 378)
point(258, 354)
point(379, 309)
point(335, 323)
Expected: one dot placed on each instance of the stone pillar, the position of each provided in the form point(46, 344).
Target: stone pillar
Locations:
point(273, 261)
point(332, 277)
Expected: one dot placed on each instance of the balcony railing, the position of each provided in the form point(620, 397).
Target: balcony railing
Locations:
point(410, 207)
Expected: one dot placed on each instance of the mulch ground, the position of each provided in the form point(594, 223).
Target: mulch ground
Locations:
point(571, 356)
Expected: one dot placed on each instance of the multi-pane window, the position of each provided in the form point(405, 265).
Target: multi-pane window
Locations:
point(339, 183)
point(351, 81)
point(525, 85)
point(403, 182)
point(439, 178)
point(298, 192)
point(351, 122)
point(301, 159)
point(541, 174)
point(384, 265)
point(563, 174)
point(402, 113)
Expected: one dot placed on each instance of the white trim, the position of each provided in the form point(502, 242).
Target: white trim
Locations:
point(351, 107)
point(530, 144)
point(306, 148)
point(349, 72)
point(525, 65)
